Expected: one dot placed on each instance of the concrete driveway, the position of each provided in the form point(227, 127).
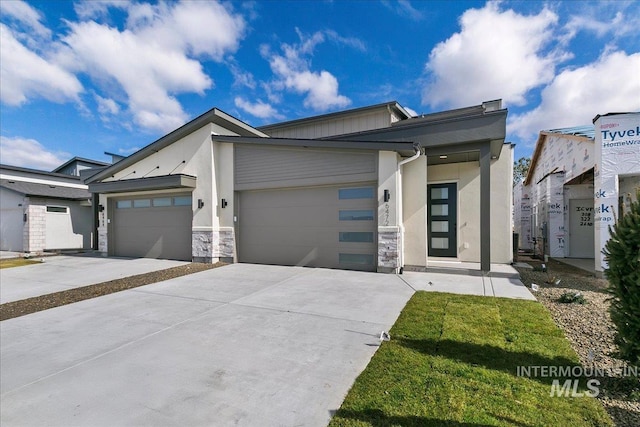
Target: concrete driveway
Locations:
point(60, 273)
point(249, 345)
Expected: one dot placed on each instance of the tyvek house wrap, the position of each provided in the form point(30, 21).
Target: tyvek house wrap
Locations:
point(617, 152)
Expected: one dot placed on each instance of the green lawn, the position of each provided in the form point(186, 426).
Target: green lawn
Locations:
point(16, 262)
point(452, 361)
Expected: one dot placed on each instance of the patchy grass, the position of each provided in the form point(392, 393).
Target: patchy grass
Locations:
point(16, 262)
point(452, 361)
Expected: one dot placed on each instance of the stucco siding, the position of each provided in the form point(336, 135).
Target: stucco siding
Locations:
point(501, 202)
point(414, 211)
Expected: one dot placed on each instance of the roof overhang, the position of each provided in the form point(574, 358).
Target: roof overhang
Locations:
point(446, 132)
point(48, 190)
point(403, 148)
point(164, 182)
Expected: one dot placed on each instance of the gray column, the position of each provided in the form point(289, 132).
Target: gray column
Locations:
point(485, 208)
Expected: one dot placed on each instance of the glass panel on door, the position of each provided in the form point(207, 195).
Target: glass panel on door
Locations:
point(442, 220)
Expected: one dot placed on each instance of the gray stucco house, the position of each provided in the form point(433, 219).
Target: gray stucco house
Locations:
point(368, 189)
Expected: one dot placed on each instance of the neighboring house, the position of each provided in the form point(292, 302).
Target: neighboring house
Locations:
point(366, 189)
point(77, 164)
point(580, 180)
point(553, 209)
point(43, 211)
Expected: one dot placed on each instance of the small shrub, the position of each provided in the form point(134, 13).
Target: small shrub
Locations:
point(622, 253)
point(572, 298)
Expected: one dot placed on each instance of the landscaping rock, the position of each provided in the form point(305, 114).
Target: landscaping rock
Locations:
point(589, 329)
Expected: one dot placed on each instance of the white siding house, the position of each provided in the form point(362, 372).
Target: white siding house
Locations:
point(42, 211)
point(581, 179)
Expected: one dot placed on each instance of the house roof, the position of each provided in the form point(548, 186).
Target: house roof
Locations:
point(45, 190)
point(214, 115)
point(445, 130)
point(614, 114)
point(394, 105)
point(587, 131)
point(82, 160)
point(53, 175)
point(580, 133)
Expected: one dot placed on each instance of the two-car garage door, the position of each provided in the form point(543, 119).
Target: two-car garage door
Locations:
point(333, 226)
point(307, 207)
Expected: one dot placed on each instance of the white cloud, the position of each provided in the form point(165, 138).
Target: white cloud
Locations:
point(258, 109)
point(154, 58)
point(611, 19)
point(25, 75)
point(496, 54)
point(292, 71)
point(404, 9)
point(91, 9)
point(241, 77)
point(352, 42)
point(29, 153)
point(107, 106)
point(576, 96)
point(199, 28)
point(27, 15)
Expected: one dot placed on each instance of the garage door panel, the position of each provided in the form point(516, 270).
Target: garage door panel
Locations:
point(304, 227)
point(153, 232)
point(292, 216)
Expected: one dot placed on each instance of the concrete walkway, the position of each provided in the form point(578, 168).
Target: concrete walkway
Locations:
point(240, 345)
point(503, 281)
point(60, 273)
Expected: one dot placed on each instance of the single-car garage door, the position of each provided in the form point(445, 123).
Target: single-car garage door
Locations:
point(332, 226)
point(157, 226)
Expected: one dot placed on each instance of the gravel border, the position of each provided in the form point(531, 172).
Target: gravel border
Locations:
point(23, 307)
point(589, 329)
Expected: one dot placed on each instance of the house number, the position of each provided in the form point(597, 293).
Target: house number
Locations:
point(385, 220)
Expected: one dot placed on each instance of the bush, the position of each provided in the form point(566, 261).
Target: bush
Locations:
point(571, 298)
point(622, 253)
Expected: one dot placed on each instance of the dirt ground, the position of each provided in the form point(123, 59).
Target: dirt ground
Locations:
point(31, 305)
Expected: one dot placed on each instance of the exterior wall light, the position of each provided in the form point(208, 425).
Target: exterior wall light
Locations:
point(223, 203)
point(200, 203)
point(387, 196)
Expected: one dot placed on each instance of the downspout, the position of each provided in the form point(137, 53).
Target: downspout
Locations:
point(418, 153)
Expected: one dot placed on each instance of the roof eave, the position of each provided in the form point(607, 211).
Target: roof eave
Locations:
point(403, 147)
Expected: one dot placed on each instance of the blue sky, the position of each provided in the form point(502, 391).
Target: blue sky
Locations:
point(82, 78)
